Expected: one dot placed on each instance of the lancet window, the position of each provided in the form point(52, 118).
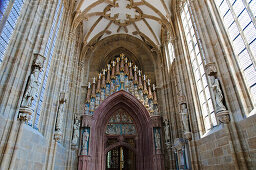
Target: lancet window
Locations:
point(238, 18)
point(197, 61)
point(43, 75)
point(9, 14)
point(121, 74)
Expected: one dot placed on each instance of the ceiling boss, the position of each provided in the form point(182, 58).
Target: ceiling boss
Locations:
point(122, 12)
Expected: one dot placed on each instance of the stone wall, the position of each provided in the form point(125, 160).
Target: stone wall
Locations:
point(247, 132)
point(220, 151)
point(215, 151)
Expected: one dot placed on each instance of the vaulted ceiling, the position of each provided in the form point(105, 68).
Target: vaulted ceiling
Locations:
point(147, 20)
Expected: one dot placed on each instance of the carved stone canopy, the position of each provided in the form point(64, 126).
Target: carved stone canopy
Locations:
point(39, 61)
point(62, 97)
point(211, 69)
point(182, 100)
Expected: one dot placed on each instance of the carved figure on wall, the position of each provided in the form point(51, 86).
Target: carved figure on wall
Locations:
point(217, 94)
point(85, 141)
point(157, 139)
point(33, 83)
point(166, 130)
point(32, 88)
point(184, 116)
point(59, 123)
point(75, 132)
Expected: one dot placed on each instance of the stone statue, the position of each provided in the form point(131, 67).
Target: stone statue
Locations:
point(157, 139)
point(75, 132)
point(85, 142)
point(61, 109)
point(184, 116)
point(166, 130)
point(32, 88)
point(33, 83)
point(217, 94)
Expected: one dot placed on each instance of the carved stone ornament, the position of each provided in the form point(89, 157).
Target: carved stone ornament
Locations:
point(31, 88)
point(211, 69)
point(122, 13)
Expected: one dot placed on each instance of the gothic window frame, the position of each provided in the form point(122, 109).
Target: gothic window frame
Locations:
point(236, 10)
point(49, 53)
point(196, 60)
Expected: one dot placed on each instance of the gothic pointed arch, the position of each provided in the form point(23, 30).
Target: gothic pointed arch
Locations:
point(140, 115)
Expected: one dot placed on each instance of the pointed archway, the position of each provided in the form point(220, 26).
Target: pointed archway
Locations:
point(145, 153)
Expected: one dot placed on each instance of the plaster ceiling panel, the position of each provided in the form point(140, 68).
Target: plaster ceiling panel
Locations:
point(86, 3)
point(145, 30)
point(158, 5)
point(168, 4)
point(88, 24)
point(98, 8)
point(131, 29)
point(156, 27)
point(98, 28)
point(110, 31)
point(148, 11)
